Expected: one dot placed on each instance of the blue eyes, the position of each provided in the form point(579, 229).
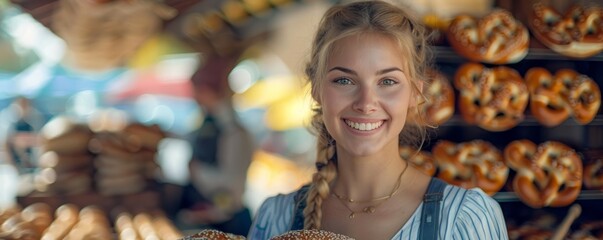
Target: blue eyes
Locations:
point(343, 81)
point(347, 81)
point(388, 82)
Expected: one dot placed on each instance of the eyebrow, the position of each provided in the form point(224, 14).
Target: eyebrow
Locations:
point(380, 72)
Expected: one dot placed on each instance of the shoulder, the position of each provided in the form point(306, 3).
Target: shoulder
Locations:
point(274, 217)
point(472, 214)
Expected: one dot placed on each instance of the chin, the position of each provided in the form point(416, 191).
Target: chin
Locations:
point(362, 150)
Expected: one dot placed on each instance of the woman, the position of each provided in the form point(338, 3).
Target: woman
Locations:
point(366, 70)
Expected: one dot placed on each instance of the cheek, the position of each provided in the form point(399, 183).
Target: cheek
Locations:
point(399, 104)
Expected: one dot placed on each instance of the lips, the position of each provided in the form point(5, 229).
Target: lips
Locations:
point(364, 126)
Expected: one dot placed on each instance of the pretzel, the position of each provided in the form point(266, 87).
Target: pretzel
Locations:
point(552, 176)
point(494, 99)
point(420, 159)
point(496, 38)
point(555, 98)
point(208, 234)
point(577, 33)
point(439, 106)
point(310, 234)
point(471, 164)
point(593, 174)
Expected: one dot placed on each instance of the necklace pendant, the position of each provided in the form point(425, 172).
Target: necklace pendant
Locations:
point(352, 215)
point(370, 209)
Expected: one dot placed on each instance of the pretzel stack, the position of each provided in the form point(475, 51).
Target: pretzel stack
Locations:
point(125, 159)
point(145, 226)
point(69, 222)
point(65, 162)
point(28, 223)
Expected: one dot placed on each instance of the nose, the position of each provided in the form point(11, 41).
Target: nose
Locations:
point(366, 100)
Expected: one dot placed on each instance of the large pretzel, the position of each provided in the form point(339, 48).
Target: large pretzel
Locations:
point(549, 175)
point(471, 164)
point(555, 98)
point(593, 174)
point(577, 33)
point(420, 159)
point(496, 38)
point(494, 99)
point(440, 99)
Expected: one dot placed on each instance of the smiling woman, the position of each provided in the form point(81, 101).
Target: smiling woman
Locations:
point(366, 70)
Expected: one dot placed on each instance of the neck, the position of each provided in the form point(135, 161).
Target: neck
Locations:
point(368, 177)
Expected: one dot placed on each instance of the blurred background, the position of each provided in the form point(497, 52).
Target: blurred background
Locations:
point(102, 66)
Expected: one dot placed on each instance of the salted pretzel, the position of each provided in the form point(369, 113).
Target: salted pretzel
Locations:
point(593, 174)
point(494, 99)
point(420, 159)
point(471, 164)
point(548, 175)
point(210, 234)
point(577, 33)
point(567, 93)
point(496, 38)
point(439, 106)
point(310, 234)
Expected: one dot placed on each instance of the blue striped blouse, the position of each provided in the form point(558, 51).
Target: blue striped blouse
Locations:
point(464, 214)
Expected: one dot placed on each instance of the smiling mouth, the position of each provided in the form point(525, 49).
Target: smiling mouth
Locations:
point(364, 126)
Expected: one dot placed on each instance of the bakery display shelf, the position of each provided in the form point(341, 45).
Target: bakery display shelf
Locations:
point(584, 195)
point(528, 121)
point(447, 54)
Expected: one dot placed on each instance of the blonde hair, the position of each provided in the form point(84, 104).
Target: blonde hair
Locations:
point(337, 23)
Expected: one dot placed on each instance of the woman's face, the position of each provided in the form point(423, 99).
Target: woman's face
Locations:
point(365, 94)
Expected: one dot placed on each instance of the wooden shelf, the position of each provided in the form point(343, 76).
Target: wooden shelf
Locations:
point(448, 55)
point(528, 121)
point(584, 195)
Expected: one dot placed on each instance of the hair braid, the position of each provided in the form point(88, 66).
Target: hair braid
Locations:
point(326, 172)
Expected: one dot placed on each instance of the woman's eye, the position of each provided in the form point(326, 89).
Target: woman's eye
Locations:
point(388, 82)
point(343, 81)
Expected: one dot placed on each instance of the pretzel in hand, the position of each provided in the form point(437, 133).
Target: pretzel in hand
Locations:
point(547, 175)
point(471, 164)
point(578, 33)
point(496, 38)
point(494, 99)
point(555, 98)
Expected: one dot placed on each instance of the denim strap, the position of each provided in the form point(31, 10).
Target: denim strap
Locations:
point(430, 214)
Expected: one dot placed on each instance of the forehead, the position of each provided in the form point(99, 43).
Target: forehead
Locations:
point(366, 50)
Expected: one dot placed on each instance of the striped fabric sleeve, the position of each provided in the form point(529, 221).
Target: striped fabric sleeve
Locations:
point(273, 218)
point(479, 217)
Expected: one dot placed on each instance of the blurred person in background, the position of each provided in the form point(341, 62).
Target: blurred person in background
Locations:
point(23, 122)
point(222, 152)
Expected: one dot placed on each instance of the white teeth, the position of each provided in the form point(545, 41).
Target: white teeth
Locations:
point(364, 126)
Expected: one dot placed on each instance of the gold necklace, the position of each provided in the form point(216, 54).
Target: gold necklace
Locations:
point(370, 209)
